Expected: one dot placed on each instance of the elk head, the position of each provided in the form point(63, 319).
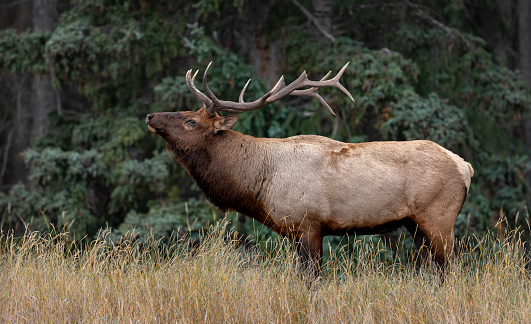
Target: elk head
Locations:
point(188, 130)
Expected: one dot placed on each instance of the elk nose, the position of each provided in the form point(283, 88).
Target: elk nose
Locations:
point(149, 117)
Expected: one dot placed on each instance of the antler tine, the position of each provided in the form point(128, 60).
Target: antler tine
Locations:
point(313, 92)
point(300, 82)
point(326, 76)
point(339, 85)
point(243, 91)
point(278, 86)
point(209, 93)
point(207, 103)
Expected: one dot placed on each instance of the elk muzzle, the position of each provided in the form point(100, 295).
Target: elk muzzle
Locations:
point(152, 129)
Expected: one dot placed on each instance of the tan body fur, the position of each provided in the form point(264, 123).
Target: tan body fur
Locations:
point(306, 187)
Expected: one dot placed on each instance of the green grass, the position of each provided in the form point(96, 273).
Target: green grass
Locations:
point(44, 278)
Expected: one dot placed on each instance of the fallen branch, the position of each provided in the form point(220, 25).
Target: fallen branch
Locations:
point(314, 21)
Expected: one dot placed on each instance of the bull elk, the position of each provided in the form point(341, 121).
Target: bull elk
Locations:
point(306, 187)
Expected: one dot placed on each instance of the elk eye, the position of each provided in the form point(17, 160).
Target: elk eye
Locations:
point(190, 122)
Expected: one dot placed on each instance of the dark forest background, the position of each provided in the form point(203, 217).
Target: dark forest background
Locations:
point(78, 78)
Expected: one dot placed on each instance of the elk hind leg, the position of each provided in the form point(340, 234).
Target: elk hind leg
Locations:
point(442, 246)
point(434, 245)
point(436, 222)
point(420, 240)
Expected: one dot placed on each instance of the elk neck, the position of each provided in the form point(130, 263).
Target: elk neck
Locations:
point(233, 171)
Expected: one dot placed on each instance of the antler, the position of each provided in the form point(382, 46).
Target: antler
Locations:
point(279, 91)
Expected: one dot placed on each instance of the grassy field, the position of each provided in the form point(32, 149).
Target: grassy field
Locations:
point(47, 279)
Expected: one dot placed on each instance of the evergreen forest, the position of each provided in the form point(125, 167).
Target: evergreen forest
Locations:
point(78, 77)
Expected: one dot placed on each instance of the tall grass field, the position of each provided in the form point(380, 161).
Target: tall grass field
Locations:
point(45, 278)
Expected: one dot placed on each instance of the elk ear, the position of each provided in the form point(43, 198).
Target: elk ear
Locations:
point(225, 123)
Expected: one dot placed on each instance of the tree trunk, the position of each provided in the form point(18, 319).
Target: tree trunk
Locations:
point(524, 37)
point(34, 96)
point(322, 11)
point(524, 40)
point(17, 15)
point(264, 55)
point(21, 127)
point(44, 17)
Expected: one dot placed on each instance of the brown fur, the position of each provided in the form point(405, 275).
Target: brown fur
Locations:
point(306, 187)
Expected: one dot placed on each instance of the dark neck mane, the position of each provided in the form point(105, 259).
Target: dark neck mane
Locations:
point(231, 171)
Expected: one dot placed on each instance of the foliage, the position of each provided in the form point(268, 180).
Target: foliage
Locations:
point(162, 220)
point(21, 53)
point(103, 168)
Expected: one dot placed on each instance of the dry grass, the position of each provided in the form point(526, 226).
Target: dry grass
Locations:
point(44, 279)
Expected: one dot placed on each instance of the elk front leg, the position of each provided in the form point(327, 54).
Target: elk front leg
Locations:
point(310, 251)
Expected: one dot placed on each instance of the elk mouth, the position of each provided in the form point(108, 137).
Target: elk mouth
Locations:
point(154, 130)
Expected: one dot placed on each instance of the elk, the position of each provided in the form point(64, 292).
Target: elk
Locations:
point(306, 187)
